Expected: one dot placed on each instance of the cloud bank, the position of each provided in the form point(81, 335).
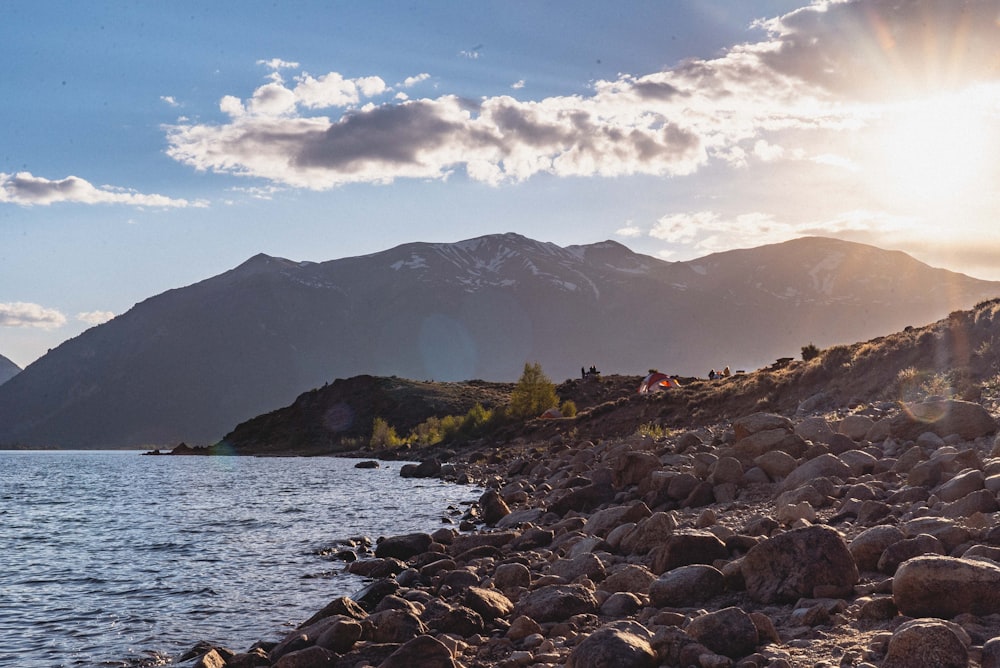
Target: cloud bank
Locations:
point(22, 314)
point(823, 68)
point(26, 189)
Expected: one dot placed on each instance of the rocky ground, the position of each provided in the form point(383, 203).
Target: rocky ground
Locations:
point(864, 537)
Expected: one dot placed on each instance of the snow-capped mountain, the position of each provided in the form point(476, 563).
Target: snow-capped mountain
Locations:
point(191, 363)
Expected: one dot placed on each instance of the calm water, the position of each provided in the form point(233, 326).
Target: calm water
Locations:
point(108, 558)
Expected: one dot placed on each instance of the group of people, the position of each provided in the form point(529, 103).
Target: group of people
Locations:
point(715, 375)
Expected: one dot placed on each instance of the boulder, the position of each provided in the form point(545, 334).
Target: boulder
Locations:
point(943, 417)
point(793, 564)
point(757, 422)
point(649, 533)
point(556, 603)
point(926, 643)
point(729, 632)
point(686, 586)
point(395, 626)
point(310, 657)
point(823, 466)
point(585, 565)
point(619, 644)
point(940, 586)
point(868, 546)
point(687, 547)
point(906, 549)
point(489, 603)
point(602, 522)
point(981, 501)
point(633, 468)
point(776, 464)
point(621, 604)
point(506, 577)
point(493, 507)
point(855, 426)
point(425, 469)
point(961, 485)
point(421, 652)
point(404, 546)
point(583, 499)
point(340, 636)
point(630, 577)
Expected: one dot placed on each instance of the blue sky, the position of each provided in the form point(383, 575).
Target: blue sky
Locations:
point(146, 146)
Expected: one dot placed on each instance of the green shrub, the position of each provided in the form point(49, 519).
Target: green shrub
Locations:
point(384, 436)
point(533, 395)
point(568, 408)
point(809, 352)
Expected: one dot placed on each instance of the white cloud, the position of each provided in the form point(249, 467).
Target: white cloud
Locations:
point(278, 64)
point(26, 189)
point(518, 85)
point(93, 318)
point(23, 314)
point(170, 100)
point(765, 102)
point(629, 231)
point(409, 82)
point(471, 54)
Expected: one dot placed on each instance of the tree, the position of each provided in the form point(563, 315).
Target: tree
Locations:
point(383, 436)
point(809, 352)
point(533, 395)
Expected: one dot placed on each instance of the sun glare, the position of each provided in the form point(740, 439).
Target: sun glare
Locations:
point(935, 152)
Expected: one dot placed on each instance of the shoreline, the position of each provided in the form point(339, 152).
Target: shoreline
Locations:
point(767, 541)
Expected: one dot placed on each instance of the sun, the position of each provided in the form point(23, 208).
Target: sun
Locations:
point(933, 152)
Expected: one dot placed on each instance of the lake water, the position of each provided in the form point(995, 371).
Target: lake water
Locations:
point(114, 559)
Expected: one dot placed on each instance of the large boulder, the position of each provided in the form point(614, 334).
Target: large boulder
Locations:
point(421, 652)
point(404, 546)
point(944, 418)
point(868, 546)
point(494, 508)
point(729, 632)
point(686, 586)
point(824, 466)
point(940, 586)
point(801, 563)
point(634, 468)
point(619, 644)
point(556, 603)
point(926, 643)
point(687, 547)
point(757, 422)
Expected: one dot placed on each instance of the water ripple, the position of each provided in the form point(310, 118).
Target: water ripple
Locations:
point(113, 559)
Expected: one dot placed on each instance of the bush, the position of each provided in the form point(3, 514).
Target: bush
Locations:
point(568, 408)
point(533, 395)
point(384, 436)
point(809, 352)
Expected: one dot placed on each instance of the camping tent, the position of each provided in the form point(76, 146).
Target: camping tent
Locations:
point(657, 382)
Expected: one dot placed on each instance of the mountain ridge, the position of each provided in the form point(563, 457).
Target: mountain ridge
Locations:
point(192, 362)
point(8, 369)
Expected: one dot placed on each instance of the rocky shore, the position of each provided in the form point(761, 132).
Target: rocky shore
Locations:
point(862, 538)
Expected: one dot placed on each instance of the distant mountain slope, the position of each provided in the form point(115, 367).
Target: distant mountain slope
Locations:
point(7, 369)
point(191, 363)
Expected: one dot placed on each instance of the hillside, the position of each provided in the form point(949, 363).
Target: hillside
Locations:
point(7, 369)
point(955, 357)
point(188, 364)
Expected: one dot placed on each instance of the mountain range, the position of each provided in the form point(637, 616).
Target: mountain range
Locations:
point(192, 362)
point(7, 369)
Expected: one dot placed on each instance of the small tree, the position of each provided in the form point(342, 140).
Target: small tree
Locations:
point(533, 395)
point(809, 352)
point(384, 436)
point(568, 408)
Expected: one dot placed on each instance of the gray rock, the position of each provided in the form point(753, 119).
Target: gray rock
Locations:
point(687, 547)
point(906, 549)
point(620, 644)
point(961, 485)
point(793, 564)
point(489, 603)
point(422, 652)
point(925, 643)
point(628, 578)
point(729, 632)
point(939, 586)
point(823, 466)
point(687, 586)
point(945, 417)
point(757, 422)
point(404, 546)
point(556, 603)
point(868, 546)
